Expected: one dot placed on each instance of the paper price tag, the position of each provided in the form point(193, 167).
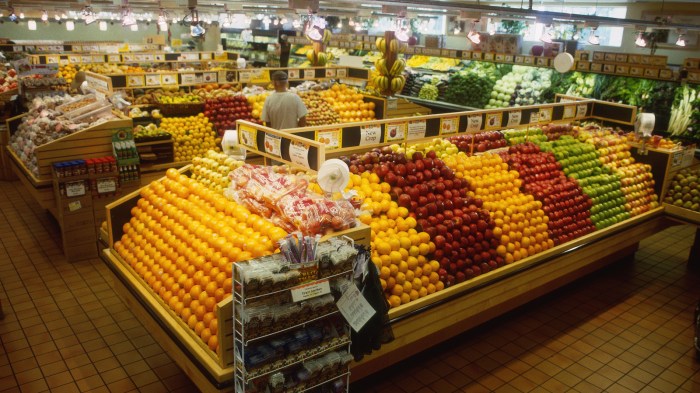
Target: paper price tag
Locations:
point(293, 74)
point(514, 118)
point(331, 138)
point(248, 136)
point(106, 185)
point(370, 135)
point(581, 110)
point(395, 132)
point(545, 115)
point(342, 73)
point(135, 81)
point(311, 290)
point(188, 79)
point(309, 74)
point(569, 112)
point(244, 76)
point(299, 153)
point(74, 59)
point(114, 58)
point(330, 73)
point(355, 308)
point(449, 125)
point(534, 118)
point(209, 77)
point(75, 205)
point(493, 120)
point(168, 79)
point(474, 123)
point(416, 129)
point(52, 59)
point(273, 145)
point(74, 189)
point(153, 80)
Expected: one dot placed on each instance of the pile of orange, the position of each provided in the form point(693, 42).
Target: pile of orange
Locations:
point(349, 103)
point(399, 251)
point(519, 220)
point(182, 240)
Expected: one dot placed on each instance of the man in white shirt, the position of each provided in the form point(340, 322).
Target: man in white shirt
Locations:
point(283, 109)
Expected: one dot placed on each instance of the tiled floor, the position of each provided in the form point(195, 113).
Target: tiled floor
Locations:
point(625, 329)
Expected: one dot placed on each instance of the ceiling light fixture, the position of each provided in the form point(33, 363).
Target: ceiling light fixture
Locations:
point(21, 15)
point(640, 41)
point(31, 25)
point(88, 15)
point(681, 38)
point(12, 17)
point(57, 17)
point(70, 25)
point(163, 19)
point(546, 34)
point(473, 35)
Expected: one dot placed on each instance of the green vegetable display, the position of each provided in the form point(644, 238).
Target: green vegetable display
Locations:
point(428, 92)
point(469, 89)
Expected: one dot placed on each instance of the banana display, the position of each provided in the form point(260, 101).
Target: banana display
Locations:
point(320, 59)
point(390, 79)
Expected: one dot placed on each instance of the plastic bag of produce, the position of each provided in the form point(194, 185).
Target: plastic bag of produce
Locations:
point(314, 214)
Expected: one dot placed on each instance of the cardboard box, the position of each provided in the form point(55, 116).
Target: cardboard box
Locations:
point(500, 43)
point(582, 65)
point(651, 72)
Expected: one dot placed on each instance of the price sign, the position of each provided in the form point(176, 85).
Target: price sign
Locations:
point(106, 185)
point(52, 59)
point(209, 77)
point(395, 132)
point(206, 55)
point(153, 80)
point(273, 145)
point(74, 59)
point(128, 58)
point(159, 56)
point(98, 59)
point(63, 62)
point(135, 80)
point(514, 118)
point(494, 120)
point(416, 129)
point(581, 111)
point(75, 205)
point(342, 73)
point(330, 73)
point(293, 74)
point(331, 138)
point(355, 308)
point(114, 58)
point(75, 189)
point(248, 136)
point(168, 79)
point(299, 153)
point(370, 134)
point(245, 76)
point(545, 115)
point(310, 290)
point(569, 111)
point(534, 118)
point(309, 74)
point(474, 123)
point(188, 79)
point(449, 125)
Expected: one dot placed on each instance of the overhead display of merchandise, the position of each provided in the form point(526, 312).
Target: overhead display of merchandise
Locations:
point(428, 180)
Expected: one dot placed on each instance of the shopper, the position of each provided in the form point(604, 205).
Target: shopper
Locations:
point(283, 109)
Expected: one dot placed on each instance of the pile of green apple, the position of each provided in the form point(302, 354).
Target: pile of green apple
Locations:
point(516, 137)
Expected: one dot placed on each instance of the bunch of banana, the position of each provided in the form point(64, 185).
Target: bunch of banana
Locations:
point(390, 79)
point(395, 46)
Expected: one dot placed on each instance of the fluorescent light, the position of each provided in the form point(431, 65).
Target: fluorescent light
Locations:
point(640, 41)
point(70, 25)
point(681, 40)
point(474, 37)
point(31, 25)
point(103, 26)
point(57, 17)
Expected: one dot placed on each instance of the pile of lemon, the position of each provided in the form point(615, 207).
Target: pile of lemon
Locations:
point(193, 136)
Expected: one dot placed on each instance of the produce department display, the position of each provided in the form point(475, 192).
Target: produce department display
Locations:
point(477, 213)
point(684, 190)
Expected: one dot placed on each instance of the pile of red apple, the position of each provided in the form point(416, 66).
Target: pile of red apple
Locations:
point(556, 131)
point(480, 142)
point(224, 111)
point(461, 229)
point(8, 80)
point(563, 201)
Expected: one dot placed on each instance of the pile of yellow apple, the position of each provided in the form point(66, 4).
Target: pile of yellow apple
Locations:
point(182, 240)
point(519, 220)
point(67, 72)
point(193, 136)
point(257, 101)
point(212, 170)
point(399, 251)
